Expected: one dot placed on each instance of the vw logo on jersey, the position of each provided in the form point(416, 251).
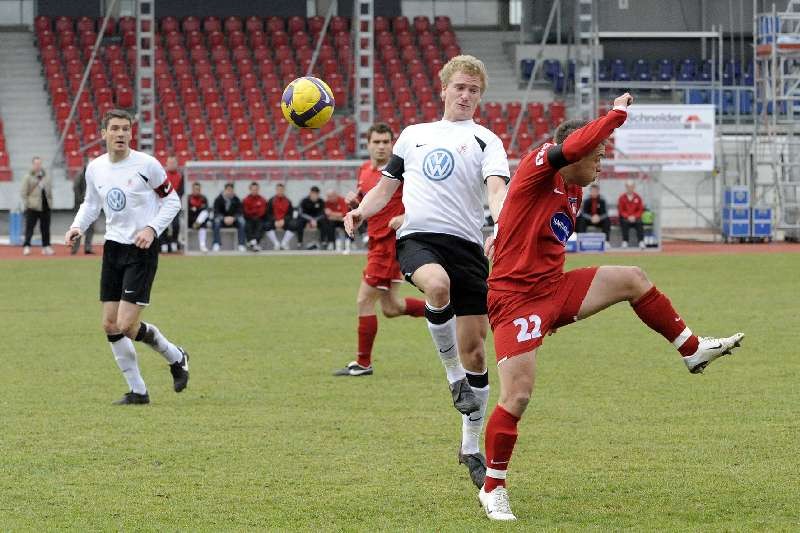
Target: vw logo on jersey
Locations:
point(116, 199)
point(438, 164)
point(561, 225)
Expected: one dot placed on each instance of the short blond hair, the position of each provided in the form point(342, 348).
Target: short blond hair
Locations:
point(467, 64)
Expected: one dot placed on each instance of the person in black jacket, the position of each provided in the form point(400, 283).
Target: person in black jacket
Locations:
point(594, 213)
point(228, 213)
point(312, 213)
point(79, 190)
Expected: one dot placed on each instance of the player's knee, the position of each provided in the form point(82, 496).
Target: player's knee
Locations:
point(126, 327)
point(638, 281)
point(473, 357)
point(110, 327)
point(438, 290)
point(391, 310)
point(519, 400)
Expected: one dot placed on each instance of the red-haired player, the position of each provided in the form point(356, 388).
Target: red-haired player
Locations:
point(531, 295)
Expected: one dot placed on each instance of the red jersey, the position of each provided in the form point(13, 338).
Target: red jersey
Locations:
point(176, 179)
point(378, 224)
point(337, 206)
point(538, 213)
point(254, 206)
point(280, 206)
point(630, 207)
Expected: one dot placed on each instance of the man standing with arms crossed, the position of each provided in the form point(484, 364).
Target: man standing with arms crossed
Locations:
point(139, 203)
point(382, 275)
point(444, 167)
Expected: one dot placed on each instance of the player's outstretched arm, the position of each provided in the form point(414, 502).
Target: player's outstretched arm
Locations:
point(496, 190)
point(373, 201)
point(582, 141)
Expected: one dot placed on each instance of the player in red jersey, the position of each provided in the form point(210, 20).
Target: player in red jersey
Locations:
point(530, 295)
point(382, 276)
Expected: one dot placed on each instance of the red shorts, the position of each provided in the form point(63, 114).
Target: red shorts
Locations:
point(382, 267)
point(520, 320)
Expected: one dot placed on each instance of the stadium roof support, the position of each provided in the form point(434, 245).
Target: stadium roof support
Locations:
point(145, 74)
point(364, 11)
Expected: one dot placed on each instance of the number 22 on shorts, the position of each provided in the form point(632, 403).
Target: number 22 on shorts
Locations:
point(529, 328)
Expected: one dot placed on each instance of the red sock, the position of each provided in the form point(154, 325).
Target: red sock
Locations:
point(655, 310)
point(415, 307)
point(501, 435)
point(367, 329)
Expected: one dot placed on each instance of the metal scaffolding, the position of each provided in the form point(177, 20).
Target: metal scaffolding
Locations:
point(776, 144)
point(364, 49)
point(145, 74)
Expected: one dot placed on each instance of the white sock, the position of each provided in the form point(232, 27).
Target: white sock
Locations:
point(444, 337)
point(273, 239)
point(125, 355)
point(472, 424)
point(157, 341)
point(287, 236)
point(201, 237)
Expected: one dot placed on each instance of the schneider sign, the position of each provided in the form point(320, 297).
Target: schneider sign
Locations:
point(679, 137)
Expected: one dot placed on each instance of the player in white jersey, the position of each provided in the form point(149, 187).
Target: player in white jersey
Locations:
point(445, 167)
point(133, 191)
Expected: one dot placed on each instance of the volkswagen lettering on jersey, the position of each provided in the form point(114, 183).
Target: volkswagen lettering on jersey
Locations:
point(116, 199)
point(561, 225)
point(438, 164)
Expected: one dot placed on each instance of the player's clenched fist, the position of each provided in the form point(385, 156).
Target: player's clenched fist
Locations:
point(623, 101)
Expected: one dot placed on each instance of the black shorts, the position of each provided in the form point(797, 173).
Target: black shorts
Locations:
point(128, 272)
point(464, 262)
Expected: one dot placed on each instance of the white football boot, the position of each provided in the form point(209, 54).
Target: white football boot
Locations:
point(710, 348)
point(496, 504)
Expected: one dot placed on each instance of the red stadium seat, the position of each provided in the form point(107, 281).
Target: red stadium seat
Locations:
point(64, 24)
point(275, 24)
point(245, 142)
point(219, 126)
point(41, 23)
point(535, 110)
point(215, 38)
point(193, 38)
point(254, 24)
point(223, 142)
point(295, 24)
point(212, 24)
point(442, 23)
point(129, 24)
point(234, 24)
point(167, 24)
point(46, 38)
point(235, 110)
point(400, 24)
point(191, 24)
point(236, 38)
point(124, 97)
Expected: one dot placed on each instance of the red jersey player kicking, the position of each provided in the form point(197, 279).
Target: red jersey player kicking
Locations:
point(530, 294)
point(382, 275)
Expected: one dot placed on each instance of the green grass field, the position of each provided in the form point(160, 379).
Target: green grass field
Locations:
point(619, 435)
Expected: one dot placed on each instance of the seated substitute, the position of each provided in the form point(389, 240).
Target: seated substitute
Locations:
point(199, 214)
point(631, 207)
point(279, 216)
point(312, 213)
point(335, 210)
point(594, 213)
point(228, 214)
point(255, 217)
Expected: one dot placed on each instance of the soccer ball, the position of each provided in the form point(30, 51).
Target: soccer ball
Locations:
point(307, 102)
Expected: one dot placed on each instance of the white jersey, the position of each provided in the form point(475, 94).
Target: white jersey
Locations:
point(444, 166)
point(133, 193)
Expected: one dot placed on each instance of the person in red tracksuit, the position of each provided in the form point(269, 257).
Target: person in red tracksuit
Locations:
point(631, 207)
point(255, 217)
point(279, 216)
point(530, 295)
